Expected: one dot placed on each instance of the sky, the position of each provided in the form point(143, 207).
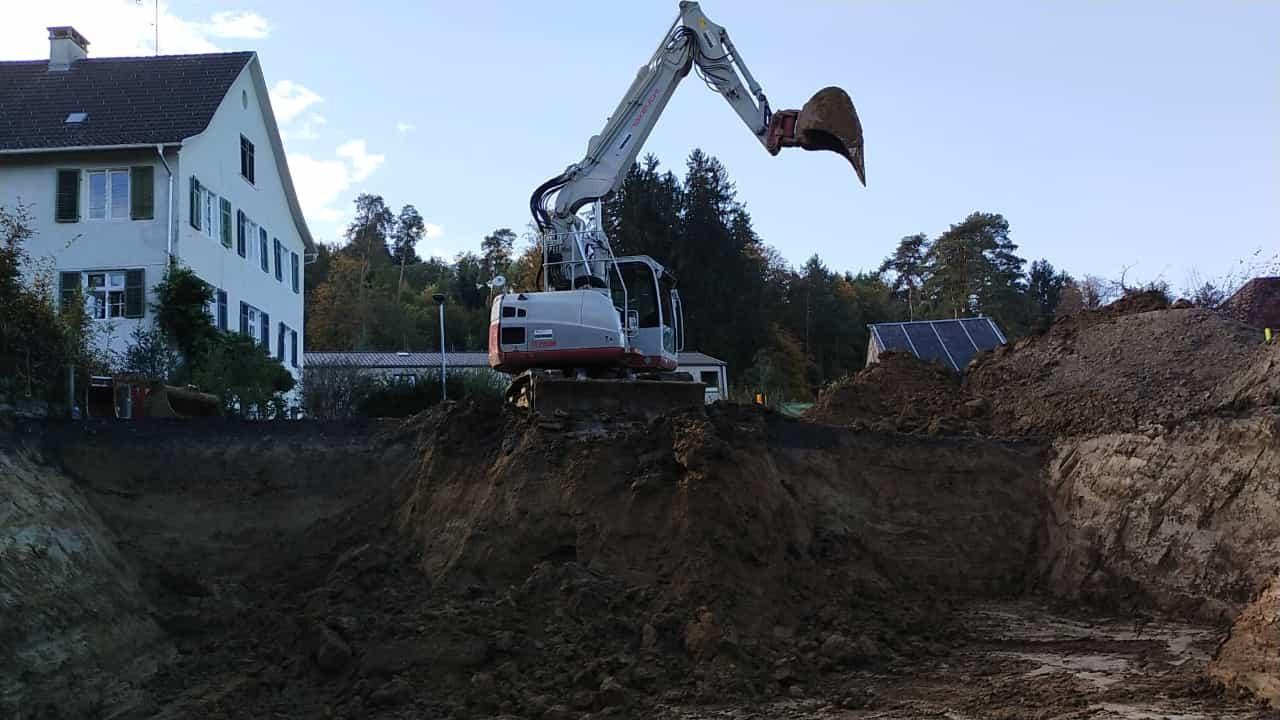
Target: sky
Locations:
point(1139, 137)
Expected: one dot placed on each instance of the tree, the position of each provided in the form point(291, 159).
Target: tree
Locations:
point(409, 231)
point(908, 265)
point(367, 239)
point(495, 250)
point(243, 374)
point(181, 314)
point(1045, 287)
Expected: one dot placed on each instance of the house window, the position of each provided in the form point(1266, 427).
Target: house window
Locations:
point(251, 321)
point(405, 379)
point(104, 295)
point(67, 201)
point(279, 257)
point(108, 294)
point(109, 194)
point(220, 319)
point(246, 158)
point(293, 270)
point(225, 222)
point(263, 259)
point(212, 215)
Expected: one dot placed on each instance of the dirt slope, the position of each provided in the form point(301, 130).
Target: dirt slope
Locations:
point(1114, 371)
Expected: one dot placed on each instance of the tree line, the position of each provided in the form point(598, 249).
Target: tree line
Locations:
point(782, 329)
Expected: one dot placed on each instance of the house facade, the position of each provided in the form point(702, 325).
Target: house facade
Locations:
point(125, 164)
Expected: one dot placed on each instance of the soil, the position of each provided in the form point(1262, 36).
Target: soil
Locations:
point(905, 394)
point(1118, 369)
point(1086, 526)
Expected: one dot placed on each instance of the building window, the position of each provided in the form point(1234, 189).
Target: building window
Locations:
point(67, 202)
point(405, 379)
point(246, 158)
point(225, 221)
point(251, 321)
point(263, 258)
point(278, 252)
point(293, 271)
point(242, 228)
point(220, 319)
point(107, 294)
point(109, 194)
point(212, 215)
point(196, 209)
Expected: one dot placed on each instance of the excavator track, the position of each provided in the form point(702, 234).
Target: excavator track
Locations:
point(552, 392)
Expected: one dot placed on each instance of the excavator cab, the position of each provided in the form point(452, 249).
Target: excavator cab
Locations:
point(644, 293)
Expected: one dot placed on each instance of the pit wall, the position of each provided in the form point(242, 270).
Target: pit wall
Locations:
point(116, 537)
point(1184, 520)
point(78, 632)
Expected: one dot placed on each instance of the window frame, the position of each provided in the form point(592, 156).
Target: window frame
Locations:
point(248, 161)
point(113, 294)
point(107, 199)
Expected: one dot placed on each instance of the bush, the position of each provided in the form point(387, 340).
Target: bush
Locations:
point(391, 398)
point(38, 342)
point(250, 382)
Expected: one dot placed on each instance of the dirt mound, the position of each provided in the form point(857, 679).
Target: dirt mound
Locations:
point(1256, 303)
point(1115, 369)
point(544, 568)
point(1247, 659)
point(902, 393)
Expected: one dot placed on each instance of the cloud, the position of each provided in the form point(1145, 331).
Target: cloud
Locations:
point(403, 127)
point(290, 99)
point(238, 24)
point(363, 164)
point(306, 129)
point(321, 182)
point(120, 28)
point(433, 231)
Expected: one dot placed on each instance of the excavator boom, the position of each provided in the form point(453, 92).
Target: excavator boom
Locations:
point(606, 331)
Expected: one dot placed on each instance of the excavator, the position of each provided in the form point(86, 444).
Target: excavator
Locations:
point(604, 333)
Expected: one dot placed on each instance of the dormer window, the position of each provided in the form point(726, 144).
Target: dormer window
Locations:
point(77, 117)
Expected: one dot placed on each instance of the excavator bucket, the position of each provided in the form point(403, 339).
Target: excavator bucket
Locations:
point(827, 122)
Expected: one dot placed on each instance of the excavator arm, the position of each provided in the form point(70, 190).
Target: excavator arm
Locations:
point(827, 122)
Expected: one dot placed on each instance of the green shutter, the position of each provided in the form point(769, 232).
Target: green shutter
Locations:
point(240, 233)
point(67, 202)
point(135, 293)
point(142, 193)
point(195, 202)
point(68, 286)
point(226, 222)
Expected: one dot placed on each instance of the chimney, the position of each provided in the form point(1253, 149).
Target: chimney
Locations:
point(65, 47)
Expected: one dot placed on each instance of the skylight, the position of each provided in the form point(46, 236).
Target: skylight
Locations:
point(77, 117)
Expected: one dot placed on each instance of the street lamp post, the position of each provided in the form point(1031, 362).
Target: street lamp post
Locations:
point(444, 391)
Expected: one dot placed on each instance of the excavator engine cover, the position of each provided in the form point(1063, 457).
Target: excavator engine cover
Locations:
point(827, 122)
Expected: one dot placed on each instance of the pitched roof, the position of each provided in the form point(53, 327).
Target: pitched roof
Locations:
point(129, 100)
point(951, 342)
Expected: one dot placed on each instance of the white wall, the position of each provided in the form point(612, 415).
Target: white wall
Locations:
point(89, 244)
point(213, 157)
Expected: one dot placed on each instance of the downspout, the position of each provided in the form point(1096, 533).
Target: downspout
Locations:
point(168, 211)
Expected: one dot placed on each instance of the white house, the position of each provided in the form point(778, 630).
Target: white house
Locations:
point(124, 163)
